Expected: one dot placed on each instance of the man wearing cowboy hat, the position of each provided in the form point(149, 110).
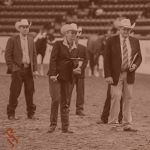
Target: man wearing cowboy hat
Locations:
point(60, 75)
point(78, 78)
point(21, 60)
point(106, 108)
point(122, 58)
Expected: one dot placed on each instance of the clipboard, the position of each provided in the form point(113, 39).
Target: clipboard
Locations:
point(135, 56)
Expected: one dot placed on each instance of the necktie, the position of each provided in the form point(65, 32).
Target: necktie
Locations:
point(125, 56)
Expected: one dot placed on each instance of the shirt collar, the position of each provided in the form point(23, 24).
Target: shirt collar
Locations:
point(66, 44)
point(22, 37)
point(122, 38)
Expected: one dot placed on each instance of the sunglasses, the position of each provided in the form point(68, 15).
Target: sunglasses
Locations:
point(73, 32)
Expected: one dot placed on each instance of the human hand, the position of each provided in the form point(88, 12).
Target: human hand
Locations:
point(132, 68)
point(54, 78)
point(109, 80)
point(77, 71)
point(35, 74)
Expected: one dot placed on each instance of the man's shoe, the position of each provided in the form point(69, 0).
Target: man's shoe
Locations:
point(12, 118)
point(80, 113)
point(33, 117)
point(67, 131)
point(51, 129)
point(101, 122)
point(130, 129)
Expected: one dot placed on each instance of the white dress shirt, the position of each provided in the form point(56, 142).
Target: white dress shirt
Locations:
point(25, 49)
point(66, 44)
point(128, 47)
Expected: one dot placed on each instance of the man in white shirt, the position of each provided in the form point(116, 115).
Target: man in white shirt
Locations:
point(21, 60)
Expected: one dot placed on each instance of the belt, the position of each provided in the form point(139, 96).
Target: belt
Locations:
point(24, 65)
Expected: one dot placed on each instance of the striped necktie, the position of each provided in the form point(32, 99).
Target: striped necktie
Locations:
point(125, 56)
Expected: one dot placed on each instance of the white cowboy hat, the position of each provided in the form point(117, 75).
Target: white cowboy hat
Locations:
point(117, 23)
point(68, 27)
point(126, 24)
point(23, 22)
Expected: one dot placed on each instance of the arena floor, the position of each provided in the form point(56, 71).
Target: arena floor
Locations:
point(32, 135)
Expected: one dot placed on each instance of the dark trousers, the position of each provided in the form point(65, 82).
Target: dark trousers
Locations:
point(106, 109)
point(93, 61)
point(18, 78)
point(59, 91)
point(79, 82)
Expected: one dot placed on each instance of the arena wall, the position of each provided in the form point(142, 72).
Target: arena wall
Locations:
point(143, 69)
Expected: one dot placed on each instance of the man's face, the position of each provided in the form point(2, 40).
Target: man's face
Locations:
point(71, 35)
point(125, 32)
point(44, 33)
point(24, 30)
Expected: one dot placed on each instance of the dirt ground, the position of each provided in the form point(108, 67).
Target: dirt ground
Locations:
point(32, 135)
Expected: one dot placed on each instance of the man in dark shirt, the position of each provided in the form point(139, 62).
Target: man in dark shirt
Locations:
point(78, 77)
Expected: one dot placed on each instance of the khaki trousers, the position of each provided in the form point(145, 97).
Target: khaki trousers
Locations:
point(125, 90)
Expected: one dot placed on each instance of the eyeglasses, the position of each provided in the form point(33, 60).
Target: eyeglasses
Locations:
point(73, 32)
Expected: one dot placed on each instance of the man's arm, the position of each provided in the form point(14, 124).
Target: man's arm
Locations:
point(34, 58)
point(85, 57)
point(53, 58)
point(8, 53)
point(138, 60)
point(107, 59)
